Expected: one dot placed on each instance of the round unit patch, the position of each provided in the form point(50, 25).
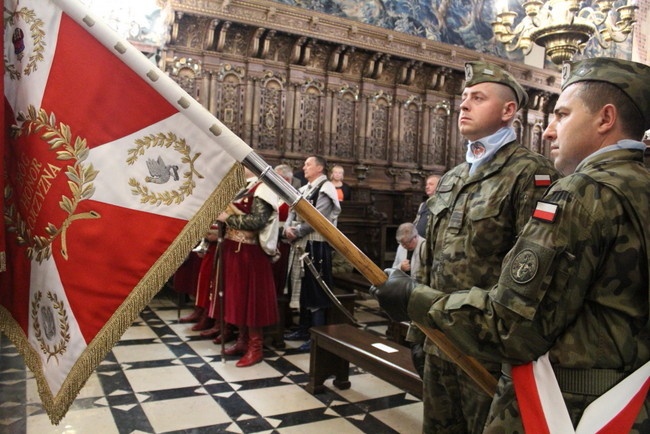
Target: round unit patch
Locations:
point(524, 266)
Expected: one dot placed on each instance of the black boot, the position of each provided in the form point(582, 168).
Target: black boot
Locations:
point(302, 333)
point(318, 317)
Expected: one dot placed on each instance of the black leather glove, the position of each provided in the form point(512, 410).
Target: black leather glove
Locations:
point(393, 295)
point(418, 356)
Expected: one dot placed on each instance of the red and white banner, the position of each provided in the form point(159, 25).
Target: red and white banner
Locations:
point(3, 253)
point(113, 174)
point(543, 410)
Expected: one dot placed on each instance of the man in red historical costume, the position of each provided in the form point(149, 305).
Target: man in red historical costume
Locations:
point(206, 291)
point(250, 242)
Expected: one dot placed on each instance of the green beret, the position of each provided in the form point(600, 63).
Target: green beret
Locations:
point(484, 72)
point(630, 77)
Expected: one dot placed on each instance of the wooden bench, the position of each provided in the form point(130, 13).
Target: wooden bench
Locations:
point(334, 347)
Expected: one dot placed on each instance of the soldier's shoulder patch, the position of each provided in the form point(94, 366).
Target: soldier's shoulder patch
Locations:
point(546, 211)
point(542, 180)
point(524, 266)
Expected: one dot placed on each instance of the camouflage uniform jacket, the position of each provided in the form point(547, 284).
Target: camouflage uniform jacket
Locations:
point(475, 219)
point(574, 285)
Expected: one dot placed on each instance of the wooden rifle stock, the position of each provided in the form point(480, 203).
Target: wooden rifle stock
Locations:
point(376, 276)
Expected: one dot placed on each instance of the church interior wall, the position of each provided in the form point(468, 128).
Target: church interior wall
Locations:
point(384, 105)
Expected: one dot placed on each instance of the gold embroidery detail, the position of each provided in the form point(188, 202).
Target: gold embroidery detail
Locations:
point(168, 197)
point(59, 348)
point(80, 178)
point(38, 36)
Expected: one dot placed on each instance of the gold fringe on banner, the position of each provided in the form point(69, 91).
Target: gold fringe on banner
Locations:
point(126, 314)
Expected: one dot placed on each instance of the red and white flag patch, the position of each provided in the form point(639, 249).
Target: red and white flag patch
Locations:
point(545, 211)
point(542, 180)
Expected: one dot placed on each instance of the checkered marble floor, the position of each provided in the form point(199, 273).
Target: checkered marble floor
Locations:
point(164, 378)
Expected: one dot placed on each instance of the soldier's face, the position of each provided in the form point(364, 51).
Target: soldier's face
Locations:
point(573, 132)
point(484, 110)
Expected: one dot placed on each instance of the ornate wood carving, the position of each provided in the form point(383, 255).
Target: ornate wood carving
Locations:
point(384, 105)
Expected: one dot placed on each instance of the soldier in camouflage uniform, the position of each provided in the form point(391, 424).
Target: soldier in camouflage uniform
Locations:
point(479, 208)
point(574, 289)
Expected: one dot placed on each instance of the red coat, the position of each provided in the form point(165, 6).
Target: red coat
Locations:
point(247, 275)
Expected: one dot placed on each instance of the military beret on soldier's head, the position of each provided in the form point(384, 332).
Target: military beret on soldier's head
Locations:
point(630, 77)
point(484, 72)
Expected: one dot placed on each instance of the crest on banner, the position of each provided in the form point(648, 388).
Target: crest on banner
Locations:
point(31, 46)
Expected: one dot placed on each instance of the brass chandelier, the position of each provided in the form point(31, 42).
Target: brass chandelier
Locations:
point(563, 27)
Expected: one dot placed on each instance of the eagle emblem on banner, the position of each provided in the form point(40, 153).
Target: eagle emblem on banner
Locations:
point(50, 323)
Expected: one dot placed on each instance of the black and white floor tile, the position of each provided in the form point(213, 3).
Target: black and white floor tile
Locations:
point(164, 378)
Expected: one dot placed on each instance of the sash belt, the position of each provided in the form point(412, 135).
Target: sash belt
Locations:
point(593, 382)
point(245, 237)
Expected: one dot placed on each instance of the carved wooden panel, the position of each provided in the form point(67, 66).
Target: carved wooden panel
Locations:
point(237, 40)
point(229, 93)
point(536, 141)
point(192, 31)
point(311, 116)
point(376, 145)
point(186, 71)
point(382, 104)
point(435, 151)
point(344, 116)
point(271, 111)
point(409, 137)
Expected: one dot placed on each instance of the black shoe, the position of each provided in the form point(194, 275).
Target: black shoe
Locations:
point(298, 335)
point(305, 347)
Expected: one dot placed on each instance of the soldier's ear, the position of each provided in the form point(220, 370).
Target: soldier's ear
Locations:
point(607, 117)
point(509, 110)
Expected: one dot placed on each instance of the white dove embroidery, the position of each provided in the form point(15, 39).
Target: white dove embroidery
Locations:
point(160, 172)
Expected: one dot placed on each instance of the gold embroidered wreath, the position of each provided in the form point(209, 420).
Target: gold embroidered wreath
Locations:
point(80, 177)
point(64, 328)
point(37, 34)
point(168, 197)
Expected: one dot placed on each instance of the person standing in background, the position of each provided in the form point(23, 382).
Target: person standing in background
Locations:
point(343, 190)
point(249, 244)
point(407, 257)
point(280, 266)
point(305, 289)
point(422, 217)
